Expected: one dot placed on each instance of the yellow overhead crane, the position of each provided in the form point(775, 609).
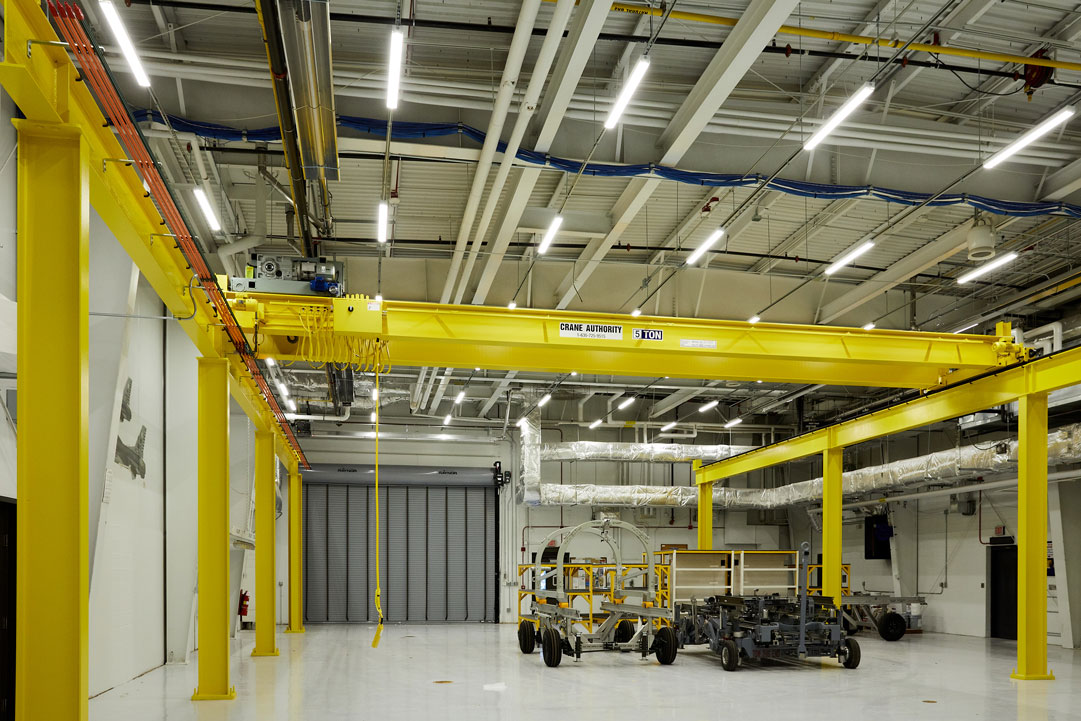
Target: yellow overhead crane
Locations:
point(353, 330)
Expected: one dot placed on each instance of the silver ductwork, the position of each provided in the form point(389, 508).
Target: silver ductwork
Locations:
point(530, 433)
point(1064, 446)
point(649, 452)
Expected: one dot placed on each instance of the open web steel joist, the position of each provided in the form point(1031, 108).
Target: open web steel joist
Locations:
point(349, 330)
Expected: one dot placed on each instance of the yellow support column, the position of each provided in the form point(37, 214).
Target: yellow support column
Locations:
point(265, 502)
point(296, 551)
point(215, 614)
point(1032, 538)
point(52, 578)
point(832, 468)
point(705, 512)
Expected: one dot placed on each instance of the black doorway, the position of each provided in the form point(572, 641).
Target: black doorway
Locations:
point(7, 610)
point(1003, 591)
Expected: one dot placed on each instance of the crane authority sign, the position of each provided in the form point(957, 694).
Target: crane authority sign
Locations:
point(591, 331)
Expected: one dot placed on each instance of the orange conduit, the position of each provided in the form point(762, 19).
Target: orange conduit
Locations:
point(68, 19)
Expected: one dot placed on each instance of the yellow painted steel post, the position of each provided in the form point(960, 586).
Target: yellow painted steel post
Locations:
point(705, 512)
point(215, 614)
point(1032, 538)
point(832, 469)
point(265, 512)
point(296, 551)
point(52, 577)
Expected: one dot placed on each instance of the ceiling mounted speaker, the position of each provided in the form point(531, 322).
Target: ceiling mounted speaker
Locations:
point(981, 241)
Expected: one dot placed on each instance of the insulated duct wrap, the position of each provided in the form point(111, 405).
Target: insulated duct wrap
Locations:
point(650, 452)
point(530, 434)
point(1064, 446)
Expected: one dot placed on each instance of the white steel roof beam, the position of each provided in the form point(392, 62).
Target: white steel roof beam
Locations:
point(742, 47)
point(807, 232)
point(570, 65)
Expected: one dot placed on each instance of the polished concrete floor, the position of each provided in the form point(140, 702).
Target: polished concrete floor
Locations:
point(477, 672)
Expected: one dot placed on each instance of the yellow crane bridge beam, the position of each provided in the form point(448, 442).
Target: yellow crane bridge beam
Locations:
point(353, 330)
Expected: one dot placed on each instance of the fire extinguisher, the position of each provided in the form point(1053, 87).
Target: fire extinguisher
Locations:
point(244, 598)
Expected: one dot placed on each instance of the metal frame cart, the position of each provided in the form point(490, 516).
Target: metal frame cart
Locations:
point(557, 626)
point(769, 626)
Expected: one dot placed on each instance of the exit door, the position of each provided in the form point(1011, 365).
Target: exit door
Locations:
point(1003, 591)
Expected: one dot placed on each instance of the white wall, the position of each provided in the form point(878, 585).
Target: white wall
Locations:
point(127, 587)
point(181, 493)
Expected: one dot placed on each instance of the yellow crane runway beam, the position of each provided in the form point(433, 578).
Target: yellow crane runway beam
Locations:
point(265, 512)
point(52, 554)
point(45, 86)
point(427, 334)
point(1042, 375)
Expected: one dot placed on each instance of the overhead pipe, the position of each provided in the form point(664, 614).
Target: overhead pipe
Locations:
point(268, 21)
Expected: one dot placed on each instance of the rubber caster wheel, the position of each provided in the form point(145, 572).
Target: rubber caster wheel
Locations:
point(892, 626)
point(665, 645)
point(851, 653)
point(527, 636)
point(551, 647)
point(624, 631)
point(729, 655)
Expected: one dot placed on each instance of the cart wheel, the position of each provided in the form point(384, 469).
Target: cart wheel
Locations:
point(527, 637)
point(624, 631)
point(665, 645)
point(551, 647)
point(851, 653)
point(729, 655)
point(892, 626)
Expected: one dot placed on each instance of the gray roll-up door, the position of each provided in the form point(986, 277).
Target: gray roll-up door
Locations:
point(438, 547)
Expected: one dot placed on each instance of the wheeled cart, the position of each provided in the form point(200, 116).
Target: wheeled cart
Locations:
point(757, 627)
point(635, 622)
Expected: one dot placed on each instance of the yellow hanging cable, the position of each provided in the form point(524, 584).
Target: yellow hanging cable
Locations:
point(378, 588)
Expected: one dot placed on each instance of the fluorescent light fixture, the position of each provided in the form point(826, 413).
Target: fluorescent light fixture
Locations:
point(394, 68)
point(594, 424)
point(124, 41)
point(574, 373)
point(373, 416)
point(636, 312)
point(512, 305)
point(381, 226)
point(668, 426)
point(626, 403)
point(282, 390)
point(869, 326)
point(550, 234)
point(378, 298)
point(459, 398)
point(704, 246)
point(541, 403)
point(758, 381)
point(849, 257)
point(839, 116)
point(375, 393)
point(270, 362)
point(291, 404)
point(753, 319)
point(733, 422)
point(1029, 137)
point(986, 268)
point(633, 82)
point(967, 327)
point(446, 420)
point(708, 407)
point(208, 212)
point(476, 369)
